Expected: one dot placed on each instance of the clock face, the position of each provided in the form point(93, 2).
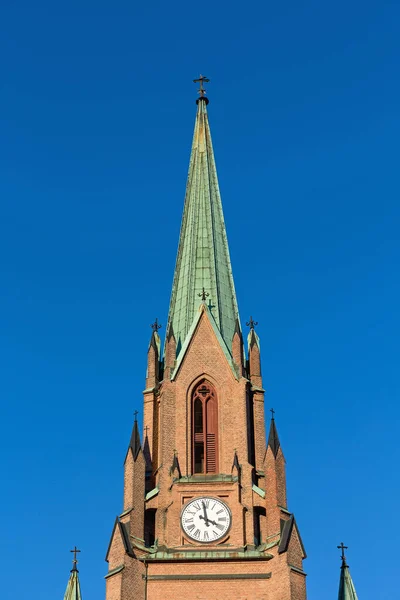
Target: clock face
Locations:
point(206, 519)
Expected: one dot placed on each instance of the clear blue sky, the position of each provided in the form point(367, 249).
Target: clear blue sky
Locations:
point(96, 119)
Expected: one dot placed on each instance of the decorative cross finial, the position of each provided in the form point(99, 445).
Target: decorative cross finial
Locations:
point(342, 547)
point(136, 414)
point(272, 412)
point(155, 326)
point(251, 323)
point(201, 80)
point(146, 430)
point(203, 295)
point(75, 560)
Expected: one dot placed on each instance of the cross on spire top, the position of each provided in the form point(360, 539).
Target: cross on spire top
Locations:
point(74, 560)
point(203, 295)
point(251, 323)
point(201, 80)
point(272, 412)
point(342, 547)
point(155, 326)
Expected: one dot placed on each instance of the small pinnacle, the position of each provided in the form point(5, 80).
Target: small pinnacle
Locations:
point(273, 438)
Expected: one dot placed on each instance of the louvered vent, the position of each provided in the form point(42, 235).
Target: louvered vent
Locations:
point(211, 453)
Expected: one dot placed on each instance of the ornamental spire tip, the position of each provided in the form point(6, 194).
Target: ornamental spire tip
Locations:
point(74, 560)
point(201, 91)
point(342, 547)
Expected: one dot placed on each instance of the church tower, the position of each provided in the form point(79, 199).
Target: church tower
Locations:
point(205, 513)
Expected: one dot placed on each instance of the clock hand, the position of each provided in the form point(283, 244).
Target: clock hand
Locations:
point(212, 522)
point(205, 514)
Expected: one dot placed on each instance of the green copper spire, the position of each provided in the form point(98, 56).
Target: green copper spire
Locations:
point(203, 270)
point(347, 591)
point(73, 591)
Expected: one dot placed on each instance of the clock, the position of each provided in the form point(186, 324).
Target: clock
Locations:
point(206, 519)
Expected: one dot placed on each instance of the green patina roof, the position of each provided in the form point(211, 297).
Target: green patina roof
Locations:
point(203, 255)
point(73, 591)
point(347, 591)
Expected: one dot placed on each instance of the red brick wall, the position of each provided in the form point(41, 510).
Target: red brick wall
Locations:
point(167, 414)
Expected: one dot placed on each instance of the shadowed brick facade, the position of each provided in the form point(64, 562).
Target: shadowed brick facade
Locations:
point(149, 556)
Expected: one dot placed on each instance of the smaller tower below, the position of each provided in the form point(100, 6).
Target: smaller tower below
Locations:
point(73, 591)
point(347, 591)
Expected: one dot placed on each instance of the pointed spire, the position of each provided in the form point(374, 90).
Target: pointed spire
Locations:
point(347, 591)
point(203, 263)
point(273, 439)
point(154, 374)
point(238, 349)
point(73, 591)
point(252, 337)
point(134, 443)
point(155, 338)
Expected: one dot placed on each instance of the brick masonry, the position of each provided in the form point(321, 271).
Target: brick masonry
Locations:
point(176, 567)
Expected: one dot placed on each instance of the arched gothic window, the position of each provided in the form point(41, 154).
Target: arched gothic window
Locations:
point(204, 429)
